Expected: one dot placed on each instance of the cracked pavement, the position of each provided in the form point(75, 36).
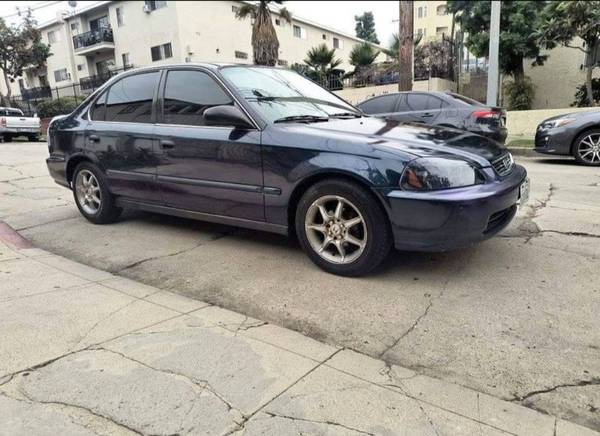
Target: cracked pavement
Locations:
point(515, 318)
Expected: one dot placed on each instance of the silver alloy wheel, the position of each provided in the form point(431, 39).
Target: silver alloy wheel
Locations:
point(88, 192)
point(589, 148)
point(336, 230)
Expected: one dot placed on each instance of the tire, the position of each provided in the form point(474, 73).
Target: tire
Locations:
point(102, 211)
point(586, 148)
point(8, 138)
point(33, 138)
point(369, 226)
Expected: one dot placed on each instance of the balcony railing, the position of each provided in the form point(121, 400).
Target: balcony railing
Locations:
point(98, 80)
point(36, 93)
point(93, 37)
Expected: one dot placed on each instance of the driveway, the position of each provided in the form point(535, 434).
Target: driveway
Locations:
point(515, 317)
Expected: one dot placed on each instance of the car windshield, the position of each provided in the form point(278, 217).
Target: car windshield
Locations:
point(283, 95)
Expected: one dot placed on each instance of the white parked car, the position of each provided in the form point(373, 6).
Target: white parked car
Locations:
point(14, 123)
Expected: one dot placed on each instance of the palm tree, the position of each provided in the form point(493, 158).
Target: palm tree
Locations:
point(322, 60)
point(363, 55)
point(265, 45)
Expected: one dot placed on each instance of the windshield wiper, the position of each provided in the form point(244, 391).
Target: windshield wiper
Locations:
point(346, 115)
point(302, 118)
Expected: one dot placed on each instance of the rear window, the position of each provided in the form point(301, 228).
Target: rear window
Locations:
point(464, 100)
point(379, 105)
point(11, 112)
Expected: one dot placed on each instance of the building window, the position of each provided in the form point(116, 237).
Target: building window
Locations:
point(75, 28)
point(120, 21)
point(299, 32)
point(338, 43)
point(241, 55)
point(160, 52)
point(277, 22)
point(324, 36)
point(80, 67)
point(52, 37)
point(420, 12)
point(441, 10)
point(126, 61)
point(155, 4)
point(424, 11)
point(282, 63)
point(61, 75)
point(441, 30)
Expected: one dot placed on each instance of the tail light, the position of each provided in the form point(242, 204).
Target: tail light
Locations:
point(486, 114)
point(2, 122)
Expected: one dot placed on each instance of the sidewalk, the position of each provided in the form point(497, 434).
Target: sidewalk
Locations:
point(85, 352)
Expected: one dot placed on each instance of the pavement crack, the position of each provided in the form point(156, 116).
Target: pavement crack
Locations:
point(164, 256)
point(582, 234)
point(332, 423)
point(410, 329)
point(580, 383)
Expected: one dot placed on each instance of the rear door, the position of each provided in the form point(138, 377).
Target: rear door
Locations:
point(423, 107)
point(121, 135)
point(206, 168)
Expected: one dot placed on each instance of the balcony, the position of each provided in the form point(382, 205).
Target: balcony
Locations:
point(36, 93)
point(95, 41)
point(93, 82)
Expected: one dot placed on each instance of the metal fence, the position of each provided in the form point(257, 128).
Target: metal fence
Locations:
point(29, 99)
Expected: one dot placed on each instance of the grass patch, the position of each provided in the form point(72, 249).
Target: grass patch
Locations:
point(521, 143)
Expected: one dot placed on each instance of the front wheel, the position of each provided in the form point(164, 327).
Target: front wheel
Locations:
point(342, 228)
point(92, 197)
point(586, 149)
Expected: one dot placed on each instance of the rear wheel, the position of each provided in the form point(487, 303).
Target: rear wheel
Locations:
point(92, 197)
point(586, 148)
point(33, 138)
point(342, 228)
point(8, 138)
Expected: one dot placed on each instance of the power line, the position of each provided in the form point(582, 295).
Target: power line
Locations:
point(35, 7)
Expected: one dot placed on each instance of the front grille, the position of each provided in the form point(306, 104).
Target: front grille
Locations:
point(504, 164)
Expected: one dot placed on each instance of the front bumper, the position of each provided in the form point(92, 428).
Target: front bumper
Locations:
point(453, 218)
point(553, 141)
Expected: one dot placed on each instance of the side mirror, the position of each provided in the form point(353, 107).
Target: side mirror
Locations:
point(226, 115)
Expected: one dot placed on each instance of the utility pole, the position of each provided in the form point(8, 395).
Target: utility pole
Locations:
point(405, 50)
point(492, 84)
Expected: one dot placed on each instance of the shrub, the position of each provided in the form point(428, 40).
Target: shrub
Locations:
point(519, 94)
point(62, 106)
point(581, 94)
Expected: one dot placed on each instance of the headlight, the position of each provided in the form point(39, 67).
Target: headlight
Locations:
point(559, 122)
point(431, 173)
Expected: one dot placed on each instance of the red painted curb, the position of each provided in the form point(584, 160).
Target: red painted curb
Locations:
point(10, 236)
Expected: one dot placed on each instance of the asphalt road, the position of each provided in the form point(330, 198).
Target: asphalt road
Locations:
point(516, 317)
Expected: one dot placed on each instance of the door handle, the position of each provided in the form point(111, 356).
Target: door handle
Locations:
point(167, 144)
point(93, 138)
point(427, 115)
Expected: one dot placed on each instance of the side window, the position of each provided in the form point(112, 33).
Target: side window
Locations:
point(417, 102)
point(379, 105)
point(98, 111)
point(435, 103)
point(130, 99)
point(188, 94)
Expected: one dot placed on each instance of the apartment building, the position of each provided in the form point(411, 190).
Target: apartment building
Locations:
point(113, 35)
point(431, 19)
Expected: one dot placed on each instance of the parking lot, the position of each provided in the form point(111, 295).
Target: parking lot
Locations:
point(516, 317)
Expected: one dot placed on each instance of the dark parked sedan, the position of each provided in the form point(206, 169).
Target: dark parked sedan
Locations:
point(576, 134)
point(267, 149)
point(444, 109)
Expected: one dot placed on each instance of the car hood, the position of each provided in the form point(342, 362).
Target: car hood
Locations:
point(417, 139)
point(575, 115)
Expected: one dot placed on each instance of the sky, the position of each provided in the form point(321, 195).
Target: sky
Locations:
point(338, 15)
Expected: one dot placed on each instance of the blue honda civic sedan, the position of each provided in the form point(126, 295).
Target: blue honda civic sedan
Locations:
point(267, 149)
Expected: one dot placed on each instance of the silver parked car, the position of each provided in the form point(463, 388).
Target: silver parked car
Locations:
point(575, 134)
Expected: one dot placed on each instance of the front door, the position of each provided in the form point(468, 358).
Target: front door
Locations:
point(206, 168)
point(120, 134)
point(423, 108)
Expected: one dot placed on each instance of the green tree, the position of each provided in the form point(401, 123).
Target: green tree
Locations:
point(365, 27)
point(563, 21)
point(517, 42)
point(265, 45)
point(363, 55)
point(322, 61)
point(21, 46)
